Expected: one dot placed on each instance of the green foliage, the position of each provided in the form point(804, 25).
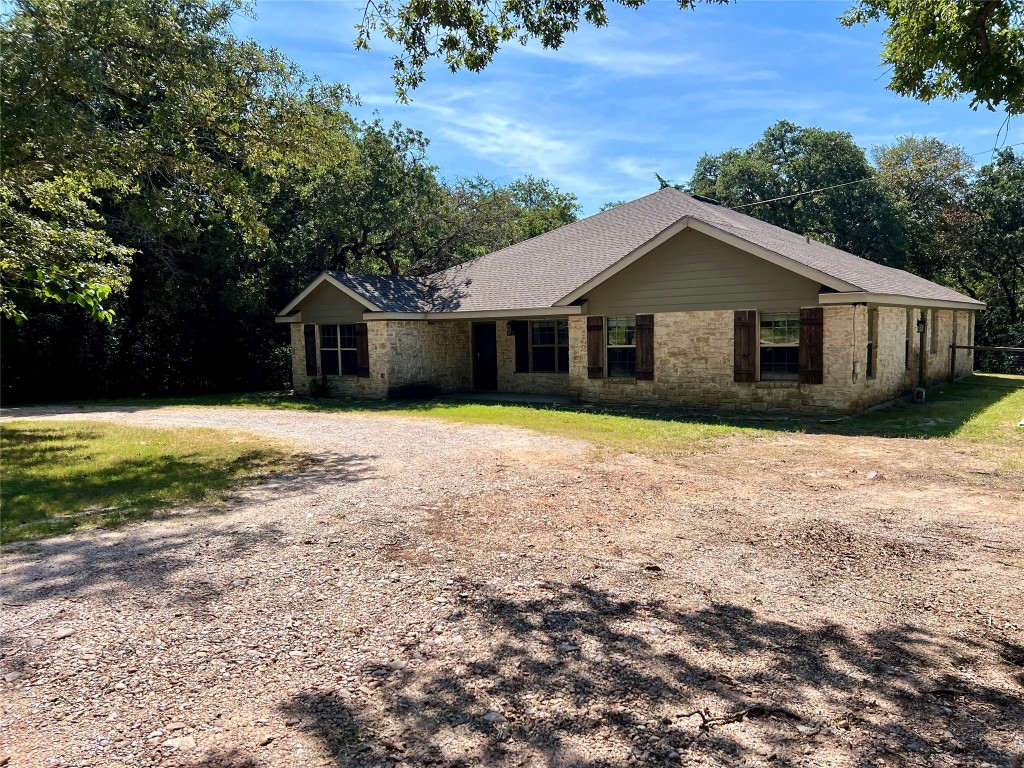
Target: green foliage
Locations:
point(150, 107)
point(322, 387)
point(925, 177)
point(466, 34)
point(983, 241)
point(183, 185)
point(949, 48)
point(788, 161)
point(54, 248)
point(59, 476)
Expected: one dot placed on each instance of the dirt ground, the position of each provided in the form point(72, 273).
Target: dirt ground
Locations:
point(430, 594)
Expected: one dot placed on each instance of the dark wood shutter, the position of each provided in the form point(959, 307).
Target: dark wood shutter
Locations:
point(521, 330)
point(362, 351)
point(744, 346)
point(645, 347)
point(595, 347)
point(309, 332)
point(812, 345)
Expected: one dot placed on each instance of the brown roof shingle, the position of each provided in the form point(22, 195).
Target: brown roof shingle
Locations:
point(542, 270)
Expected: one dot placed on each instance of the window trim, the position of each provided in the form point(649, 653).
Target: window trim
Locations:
point(555, 346)
point(338, 349)
point(608, 345)
point(761, 345)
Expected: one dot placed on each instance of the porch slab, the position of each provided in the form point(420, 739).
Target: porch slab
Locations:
point(510, 397)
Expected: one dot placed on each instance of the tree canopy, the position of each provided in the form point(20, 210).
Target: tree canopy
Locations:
point(183, 185)
point(466, 34)
point(949, 48)
point(770, 181)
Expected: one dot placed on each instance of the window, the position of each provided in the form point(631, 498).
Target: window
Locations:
point(872, 338)
point(338, 350)
point(550, 342)
point(780, 346)
point(622, 347)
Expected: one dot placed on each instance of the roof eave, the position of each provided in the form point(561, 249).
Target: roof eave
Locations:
point(480, 314)
point(897, 300)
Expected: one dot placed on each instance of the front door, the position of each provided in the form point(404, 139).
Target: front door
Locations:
point(485, 357)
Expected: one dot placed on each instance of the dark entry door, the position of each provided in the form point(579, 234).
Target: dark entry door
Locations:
point(485, 356)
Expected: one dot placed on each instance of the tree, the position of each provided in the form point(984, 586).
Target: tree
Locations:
point(925, 178)
point(775, 180)
point(983, 237)
point(466, 34)
point(949, 48)
point(146, 106)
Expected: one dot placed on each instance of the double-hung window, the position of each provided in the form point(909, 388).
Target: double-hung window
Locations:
point(549, 340)
point(622, 347)
point(780, 346)
point(338, 350)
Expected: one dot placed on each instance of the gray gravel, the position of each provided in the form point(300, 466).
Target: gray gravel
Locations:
point(436, 594)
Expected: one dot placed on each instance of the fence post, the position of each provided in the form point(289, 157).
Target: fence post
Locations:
point(952, 363)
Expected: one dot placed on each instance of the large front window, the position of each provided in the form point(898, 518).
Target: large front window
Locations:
point(622, 347)
point(549, 340)
point(338, 350)
point(780, 346)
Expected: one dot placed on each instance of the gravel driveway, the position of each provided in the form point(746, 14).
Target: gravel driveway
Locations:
point(448, 595)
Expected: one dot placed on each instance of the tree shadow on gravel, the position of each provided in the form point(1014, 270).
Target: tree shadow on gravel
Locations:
point(575, 676)
point(143, 564)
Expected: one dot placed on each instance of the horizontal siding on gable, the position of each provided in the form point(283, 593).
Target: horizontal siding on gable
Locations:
point(326, 305)
point(694, 272)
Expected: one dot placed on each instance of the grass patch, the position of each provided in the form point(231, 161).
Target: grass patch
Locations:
point(979, 414)
point(58, 476)
point(643, 430)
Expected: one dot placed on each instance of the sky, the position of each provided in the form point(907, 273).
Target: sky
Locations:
point(650, 93)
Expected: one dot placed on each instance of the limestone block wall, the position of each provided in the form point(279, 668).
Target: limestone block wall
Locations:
point(530, 383)
point(433, 353)
point(357, 387)
point(693, 364)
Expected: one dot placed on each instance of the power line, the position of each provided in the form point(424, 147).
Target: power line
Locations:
point(847, 183)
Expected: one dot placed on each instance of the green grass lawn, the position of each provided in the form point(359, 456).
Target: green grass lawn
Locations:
point(984, 408)
point(57, 476)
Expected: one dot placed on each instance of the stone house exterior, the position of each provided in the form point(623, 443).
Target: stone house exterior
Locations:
point(667, 300)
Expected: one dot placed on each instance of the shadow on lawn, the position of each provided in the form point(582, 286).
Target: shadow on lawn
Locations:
point(948, 408)
point(113, 565)
point(40, 502)
point(896, 696)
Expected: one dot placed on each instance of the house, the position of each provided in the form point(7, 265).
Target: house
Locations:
point(668, 299)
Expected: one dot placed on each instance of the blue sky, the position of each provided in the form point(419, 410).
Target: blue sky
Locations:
point(649, 93)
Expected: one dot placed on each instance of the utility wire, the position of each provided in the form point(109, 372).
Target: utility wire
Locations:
point(846, 183)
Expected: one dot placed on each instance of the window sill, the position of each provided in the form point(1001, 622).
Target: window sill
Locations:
point(777, 384)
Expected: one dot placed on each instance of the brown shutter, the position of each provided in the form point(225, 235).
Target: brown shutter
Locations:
point(521, 330)
point(645, 347)
point(595, 347)
point(744, 345)
point(362, 351)
point(309, 332)
point(812, 345)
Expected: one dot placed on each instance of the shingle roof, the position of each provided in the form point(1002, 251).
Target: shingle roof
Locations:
point(542, 270)
point(388, 293)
